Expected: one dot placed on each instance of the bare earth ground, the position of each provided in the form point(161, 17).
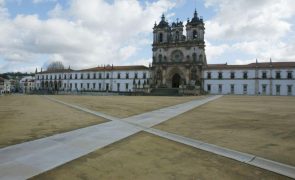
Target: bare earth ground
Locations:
point(264, 126)
point(24, 118)
point(144, 156)
point(125, 106)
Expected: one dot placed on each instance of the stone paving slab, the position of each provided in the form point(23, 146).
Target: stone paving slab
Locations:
point(31, 158)
point(266, 164)
point(149, 119)
point(84, 109)
point(28, 159)
point(153, 118)
point(273, 166)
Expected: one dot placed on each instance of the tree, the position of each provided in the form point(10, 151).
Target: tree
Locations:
point(56, 65)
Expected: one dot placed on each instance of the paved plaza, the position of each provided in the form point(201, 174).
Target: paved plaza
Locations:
point(31, 158)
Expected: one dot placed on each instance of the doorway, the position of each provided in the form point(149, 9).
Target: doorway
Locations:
point(176, 81)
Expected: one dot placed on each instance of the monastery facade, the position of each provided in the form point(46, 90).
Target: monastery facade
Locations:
point(179, 63)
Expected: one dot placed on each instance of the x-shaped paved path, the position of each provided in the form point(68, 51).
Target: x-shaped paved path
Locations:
point(28, 159)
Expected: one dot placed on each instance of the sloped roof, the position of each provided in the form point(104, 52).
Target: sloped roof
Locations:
point(56, 71)
point(2, 79)
point(101, 68)
point(118, 68)
point(252, 65)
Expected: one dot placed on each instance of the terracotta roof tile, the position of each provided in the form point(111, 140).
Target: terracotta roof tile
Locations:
point(118, 68)
point(252, 65)
point(56, 71)
point(100, 68)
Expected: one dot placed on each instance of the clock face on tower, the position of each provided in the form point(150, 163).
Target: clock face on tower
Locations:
point(177, 56)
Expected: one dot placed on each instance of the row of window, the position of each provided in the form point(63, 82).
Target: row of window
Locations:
point(178, 57)
point(245, 75)
point(245, 88)
point(90, 86)
point(177, 35)
point(70, 76)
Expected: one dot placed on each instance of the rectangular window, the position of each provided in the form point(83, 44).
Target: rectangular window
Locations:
point(99, 76)
point(289, 75)
point(76, 76)
point(55, 77)
point(208, 75)
point(59, 76)
point(118, 87)
point(278, 89)
point(70, 85)
point(208, 87)
point(99, 86)
point(264, 75)
point(264, 88)
point(220, 75)
point(127, 75)
point(119, 76)
point(245, 88)
point(50, 76)
point(144, 75)
point(46, 77)
point(88, 85)
point(108, 75)
point(65, 85)
point(232, 75)
point(278, 75)
point(76, 85)
point(65, 76)
point(232, 88)
point(81, 86)
point(126, 86)
point(94, 75)
point(107, 86)
point(88, 76)
point(289, 88)
point(81, 76)
point(93, 85)
point(220, 88)
point(70, 76)
point(245, 75)
point(135, 75)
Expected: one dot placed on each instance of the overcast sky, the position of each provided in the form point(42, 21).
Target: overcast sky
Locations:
point(87, 33)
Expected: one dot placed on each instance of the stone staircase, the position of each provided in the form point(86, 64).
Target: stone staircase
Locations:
point(164, 92)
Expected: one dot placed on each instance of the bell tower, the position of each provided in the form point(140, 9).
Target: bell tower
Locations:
point(161, 31)
point(178, 59)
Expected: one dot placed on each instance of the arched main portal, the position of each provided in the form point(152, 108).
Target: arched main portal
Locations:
point(176, 81)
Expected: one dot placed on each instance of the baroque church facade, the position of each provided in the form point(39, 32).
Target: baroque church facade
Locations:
point(179, 63)
point(178, 59)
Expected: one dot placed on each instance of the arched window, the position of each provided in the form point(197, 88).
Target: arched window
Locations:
point(160, 58)
point(159, 76)
point(194, 57)
point(195, 35)
point(193, 74)
point(161, 37)
point(201, 58)
point(177, 36)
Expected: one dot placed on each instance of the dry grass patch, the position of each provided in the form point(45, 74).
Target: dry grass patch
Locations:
point(24, 118)
point(125, 106)
point(263, 126)
point(144, 156)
